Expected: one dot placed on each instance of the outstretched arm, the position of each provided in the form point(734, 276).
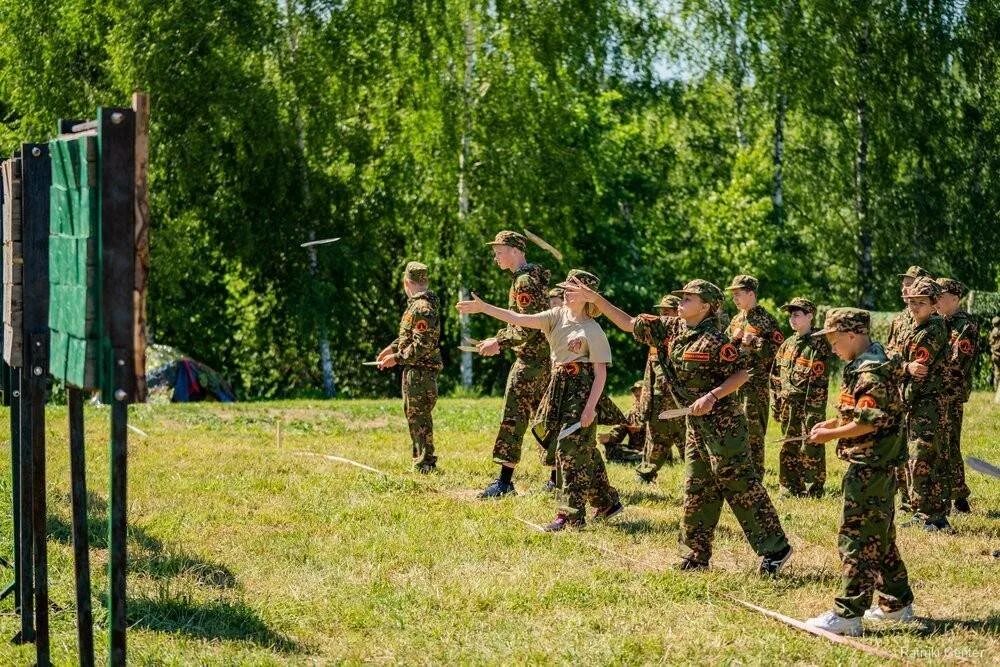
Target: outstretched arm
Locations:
point(618, 317)
point(477, 305)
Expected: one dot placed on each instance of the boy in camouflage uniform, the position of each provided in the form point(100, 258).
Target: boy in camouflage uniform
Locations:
point(995, 351)
point(632, 427)
point(416, 350)
point(963, 344)
point(662, 435)
point(921, 359)
point(756, 332)
point(798, 398)
point(902, 323)
point(868, 438)
point(529, 374)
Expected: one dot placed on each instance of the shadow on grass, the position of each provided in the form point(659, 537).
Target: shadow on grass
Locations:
point(207, 620)
point(146, 553)
point(926, 627)
point(643, 526)
point(639, 497)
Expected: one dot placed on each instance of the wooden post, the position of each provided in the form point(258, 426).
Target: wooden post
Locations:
point(81, 538)
point(36, 180)
point(140, 104)
point(116, 134)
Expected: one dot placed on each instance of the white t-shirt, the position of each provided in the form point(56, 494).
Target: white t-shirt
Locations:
point(570, 340)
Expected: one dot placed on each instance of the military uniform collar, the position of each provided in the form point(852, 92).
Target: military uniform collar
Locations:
point(419, 295)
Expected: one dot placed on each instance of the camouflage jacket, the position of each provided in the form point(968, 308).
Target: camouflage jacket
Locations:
point(802, 366)
point(899, 328)
point(528, 294)
point(420, 333)
point(692, 360)
point(760, 352)
point(925, 344)
point(960, 356)
point(995, 345)
point(869, 395)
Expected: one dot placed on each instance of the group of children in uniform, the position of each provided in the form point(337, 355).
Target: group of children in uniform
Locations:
point(715, 378)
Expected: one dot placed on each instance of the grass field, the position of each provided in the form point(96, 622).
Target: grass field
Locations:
point(246, 552)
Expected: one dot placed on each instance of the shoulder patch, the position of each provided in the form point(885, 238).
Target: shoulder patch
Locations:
point(728, 352)
point(965, 346)
point(777, 337)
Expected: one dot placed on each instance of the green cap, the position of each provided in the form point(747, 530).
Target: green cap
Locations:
point(702, 288)
point(798, 303)
point(924, 287)
point(915, 272)
point(743, 281)
point(669, 301)
point(416, 272)
point(585, 277)
point(847, 320)
point(952, 286)
point(511, 239)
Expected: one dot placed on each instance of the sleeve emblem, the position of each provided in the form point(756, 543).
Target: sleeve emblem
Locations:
point(728, 353)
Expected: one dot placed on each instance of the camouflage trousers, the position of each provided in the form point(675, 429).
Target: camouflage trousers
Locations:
point(608, 414)
point(718, 467)
point(928, 468)
point(867, 542)
point(801, 465)
point(419, 398)
point(756, 399)
point(662, 435)
point(583, 476)
point(956, 463)
point(526, 383)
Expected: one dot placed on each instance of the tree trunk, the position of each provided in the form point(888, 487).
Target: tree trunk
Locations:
point(463, 187)
point(866, 274)
point(778, 191)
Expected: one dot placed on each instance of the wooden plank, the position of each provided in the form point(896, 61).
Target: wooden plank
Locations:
point(117, 172)
point(140, 104)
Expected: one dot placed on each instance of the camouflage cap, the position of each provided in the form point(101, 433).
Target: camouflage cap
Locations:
point(416, 272)
point(952, 286)
point(556, 292)
point(511, 239)
point(702, 288)
point(996, 321)
point(915, 272)
point(846, 320)
point(798, 303)
point(669, 301)
point(637, 385)
point(923, 287)
point(744, 281)
point(585, 277)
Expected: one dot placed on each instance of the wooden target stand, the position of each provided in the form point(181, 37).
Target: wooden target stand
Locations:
point(75, 234)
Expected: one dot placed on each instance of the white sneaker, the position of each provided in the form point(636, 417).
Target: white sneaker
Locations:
point(876, 613)
point(838, 625)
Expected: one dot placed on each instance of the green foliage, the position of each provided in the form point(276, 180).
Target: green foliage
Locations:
point(636, 137)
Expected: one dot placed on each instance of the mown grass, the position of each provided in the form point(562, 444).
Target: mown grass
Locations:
point(244, 550)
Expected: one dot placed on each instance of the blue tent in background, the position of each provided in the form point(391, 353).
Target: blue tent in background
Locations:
point(189, 379)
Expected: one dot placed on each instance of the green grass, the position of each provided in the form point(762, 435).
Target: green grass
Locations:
point(244, 552)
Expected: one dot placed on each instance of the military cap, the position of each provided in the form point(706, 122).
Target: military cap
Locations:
point(952, 286)
point(743, 281)
point(637, 385)
point(846, 320)
point(669, 301)
point(702, 288)
point(924, 286)
point(915, 272)
point(556, 292)
point(798, 303)
point(509, 238)
point(585, 277)
point(416, 272)
point(996, 321)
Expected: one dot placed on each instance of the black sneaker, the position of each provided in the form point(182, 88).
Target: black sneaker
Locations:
point(497, 489)
point(771, 564)
point(606, 513)
point(689, 564)
point(938, 526)
point(562, 522)
point(645, 477)
point(426, 468)
point(962, 506)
